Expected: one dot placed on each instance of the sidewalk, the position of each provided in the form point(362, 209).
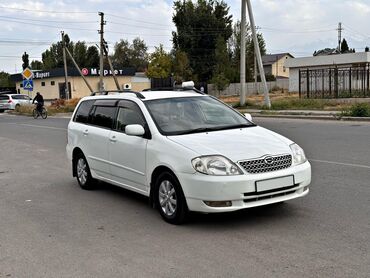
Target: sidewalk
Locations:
point(303, 114)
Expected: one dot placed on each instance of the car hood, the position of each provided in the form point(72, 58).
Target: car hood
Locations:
point(235, 144)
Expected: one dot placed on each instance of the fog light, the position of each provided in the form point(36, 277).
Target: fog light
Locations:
point(218, 203)
point(305, 188)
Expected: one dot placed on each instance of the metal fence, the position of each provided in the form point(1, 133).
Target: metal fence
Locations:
point(335, 82)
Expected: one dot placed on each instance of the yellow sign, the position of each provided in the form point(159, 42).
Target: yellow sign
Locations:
point(27, 73)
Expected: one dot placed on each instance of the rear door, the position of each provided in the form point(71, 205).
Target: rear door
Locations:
point(96, 136)
point(127, 154)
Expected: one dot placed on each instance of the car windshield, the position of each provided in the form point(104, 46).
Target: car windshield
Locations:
point(185, 115)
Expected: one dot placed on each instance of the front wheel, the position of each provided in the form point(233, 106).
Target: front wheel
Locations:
point(169, 199)
point(44, 113)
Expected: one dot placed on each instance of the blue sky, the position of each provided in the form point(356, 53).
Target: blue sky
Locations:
point(295, 26)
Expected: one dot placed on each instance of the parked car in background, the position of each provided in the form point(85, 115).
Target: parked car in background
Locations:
point(12, 101)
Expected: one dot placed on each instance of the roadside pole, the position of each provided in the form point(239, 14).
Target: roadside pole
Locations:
point(242, 53)
point(101, 32)
point(111, 66)
point(258, 54)
point(78, 68)
point(66, 87)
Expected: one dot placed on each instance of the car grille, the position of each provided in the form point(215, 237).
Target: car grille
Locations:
point(267, 164)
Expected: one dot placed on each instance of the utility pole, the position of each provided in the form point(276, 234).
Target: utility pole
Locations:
point(111, 65)
point(66, 87)
point(101, 32)
point(340, 29)
point(255, 68)
point(258, 53)
point(242, 53)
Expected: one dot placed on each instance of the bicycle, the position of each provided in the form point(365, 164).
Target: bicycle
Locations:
point(36, 113)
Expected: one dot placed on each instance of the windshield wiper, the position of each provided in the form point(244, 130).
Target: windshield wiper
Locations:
point(196, 130)
point(207, 129)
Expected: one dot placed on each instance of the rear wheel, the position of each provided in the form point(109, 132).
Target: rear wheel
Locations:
point(169, 199)
point(2, 111)
point(17, 107)
point(83, 174)
point(44, 113)
point(35, 113)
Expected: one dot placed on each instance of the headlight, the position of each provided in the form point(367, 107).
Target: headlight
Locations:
point(298, 154)
point(215, 165)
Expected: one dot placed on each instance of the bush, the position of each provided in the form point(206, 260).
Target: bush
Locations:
point(358, 110)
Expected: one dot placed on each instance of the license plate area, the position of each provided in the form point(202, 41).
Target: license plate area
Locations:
point(275, 183)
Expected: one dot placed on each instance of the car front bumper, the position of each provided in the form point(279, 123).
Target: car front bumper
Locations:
point(241, 189)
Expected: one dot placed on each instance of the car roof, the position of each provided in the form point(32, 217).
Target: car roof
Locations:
point(149, 95)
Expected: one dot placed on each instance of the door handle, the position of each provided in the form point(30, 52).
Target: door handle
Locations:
point(113, 139)
point(85, 132)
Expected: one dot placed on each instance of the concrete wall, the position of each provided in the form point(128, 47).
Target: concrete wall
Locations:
point(79, 88)
point(234, 88)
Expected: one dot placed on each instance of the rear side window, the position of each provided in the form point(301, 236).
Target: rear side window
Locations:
point(3, 97)
point(83, 111)
point(103, 116)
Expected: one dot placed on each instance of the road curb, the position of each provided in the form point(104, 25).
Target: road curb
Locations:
point(311, 117)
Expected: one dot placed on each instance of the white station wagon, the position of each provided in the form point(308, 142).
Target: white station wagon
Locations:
point(185, 150)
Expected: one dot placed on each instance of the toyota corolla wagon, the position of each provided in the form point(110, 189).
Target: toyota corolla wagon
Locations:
point(185, 150)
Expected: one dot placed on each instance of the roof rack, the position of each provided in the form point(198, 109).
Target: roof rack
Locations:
point(104, 93)
point(179, 89)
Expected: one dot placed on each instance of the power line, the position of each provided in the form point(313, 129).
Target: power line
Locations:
point(47, 11)
point(55, 21)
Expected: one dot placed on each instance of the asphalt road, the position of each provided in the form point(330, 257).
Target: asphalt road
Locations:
point(49, 227)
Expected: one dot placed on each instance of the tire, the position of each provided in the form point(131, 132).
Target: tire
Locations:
point(35, 114)
point(83, 174)
point(16, 108)
point(169, 199)
point(44, 113)
point(2, 111)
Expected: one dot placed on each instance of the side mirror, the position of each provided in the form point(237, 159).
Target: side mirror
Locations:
point(135, 130)
point(248, 117)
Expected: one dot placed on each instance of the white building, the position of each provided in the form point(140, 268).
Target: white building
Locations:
point(337, 61)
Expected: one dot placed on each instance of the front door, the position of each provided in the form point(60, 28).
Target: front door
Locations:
point(128, 153)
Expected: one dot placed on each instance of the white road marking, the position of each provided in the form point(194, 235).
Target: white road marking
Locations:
point(341, 163)
point(48, 127)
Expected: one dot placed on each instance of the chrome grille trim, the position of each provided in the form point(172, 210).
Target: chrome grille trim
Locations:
point(259, 165)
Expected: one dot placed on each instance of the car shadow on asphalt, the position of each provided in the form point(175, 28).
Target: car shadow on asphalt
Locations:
point(250, 216)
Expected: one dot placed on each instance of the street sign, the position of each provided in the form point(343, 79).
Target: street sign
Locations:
point(28, 84)
point(27, 73)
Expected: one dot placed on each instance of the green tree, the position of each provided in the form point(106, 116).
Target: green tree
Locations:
point(181, 67)
point(92, 57)
point(139, 55)
point(198, 25)
point(5, 80)
point(222, 66)
point(160, 64)
point(234, 50)
point(344, 46)
point(130, 55)
point(26, 61)
point(80, 53)
point(53, 57)
point(36, 65)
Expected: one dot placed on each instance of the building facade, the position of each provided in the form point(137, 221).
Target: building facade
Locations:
point(274, 64)
point(51, 84)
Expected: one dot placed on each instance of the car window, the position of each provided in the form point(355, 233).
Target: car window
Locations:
point(83, 111)
point(4, 97)
point(129, 113)
point(16, 97)
point(175, 116)
point(103, 116)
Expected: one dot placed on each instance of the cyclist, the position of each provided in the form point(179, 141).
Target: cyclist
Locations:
point(40, 102)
